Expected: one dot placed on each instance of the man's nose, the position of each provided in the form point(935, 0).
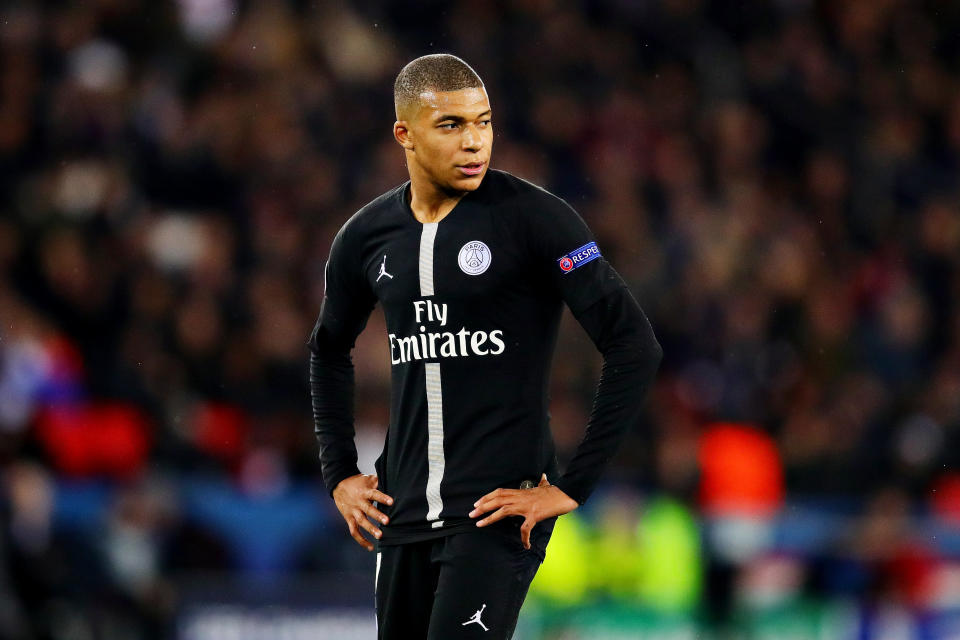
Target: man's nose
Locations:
point(471, 140)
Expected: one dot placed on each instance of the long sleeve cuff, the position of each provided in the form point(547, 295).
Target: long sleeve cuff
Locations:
point(331, 393)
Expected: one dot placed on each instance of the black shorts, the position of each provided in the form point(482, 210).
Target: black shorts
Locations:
point(464, 585)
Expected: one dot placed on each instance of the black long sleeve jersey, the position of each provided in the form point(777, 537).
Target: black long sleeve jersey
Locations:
point(472, 305)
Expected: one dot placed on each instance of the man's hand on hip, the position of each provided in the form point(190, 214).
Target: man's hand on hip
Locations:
point(354, 497)
point(533, 505)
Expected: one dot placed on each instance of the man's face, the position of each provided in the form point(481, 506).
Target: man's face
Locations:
point(449, 137)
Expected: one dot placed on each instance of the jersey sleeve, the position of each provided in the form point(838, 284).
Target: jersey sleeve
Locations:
point(566, 254)
point(347, 297)
point(347, 302)
point(631, 356)
point(573, 266)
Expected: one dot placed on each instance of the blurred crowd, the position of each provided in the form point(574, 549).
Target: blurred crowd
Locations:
point(777, 180)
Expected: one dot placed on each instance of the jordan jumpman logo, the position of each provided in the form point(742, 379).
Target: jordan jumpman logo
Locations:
point(476, 618)
point(383, 269)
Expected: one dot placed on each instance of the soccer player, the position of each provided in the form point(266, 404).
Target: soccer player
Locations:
point(471, 266)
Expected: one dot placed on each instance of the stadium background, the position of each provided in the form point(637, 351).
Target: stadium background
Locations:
point(777, 181)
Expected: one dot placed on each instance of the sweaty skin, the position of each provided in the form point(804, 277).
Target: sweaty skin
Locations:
point(447, 138)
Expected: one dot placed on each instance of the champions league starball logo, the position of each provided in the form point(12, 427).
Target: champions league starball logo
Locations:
point(578, 257)
point(474, 258)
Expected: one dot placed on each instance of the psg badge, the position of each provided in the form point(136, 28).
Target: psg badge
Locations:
point(474, 258)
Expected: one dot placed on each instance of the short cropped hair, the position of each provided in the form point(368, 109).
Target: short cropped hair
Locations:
point(434, 72)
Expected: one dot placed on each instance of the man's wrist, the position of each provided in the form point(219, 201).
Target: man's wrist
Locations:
point(565, 500)
point(569, 490)
point(342, 474)
point(341, 482)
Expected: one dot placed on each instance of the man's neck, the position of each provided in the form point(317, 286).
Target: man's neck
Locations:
point(428, 202)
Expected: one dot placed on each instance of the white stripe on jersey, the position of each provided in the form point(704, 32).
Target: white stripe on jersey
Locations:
point(376, 581)
point(426, 258)
point(435, 460)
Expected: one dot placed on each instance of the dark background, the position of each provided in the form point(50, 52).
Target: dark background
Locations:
point(776, 180)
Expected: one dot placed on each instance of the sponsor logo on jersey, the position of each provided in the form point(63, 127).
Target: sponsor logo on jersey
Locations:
point(578, 257)
point(430, 345)
point(474, 258)
point(434, 342)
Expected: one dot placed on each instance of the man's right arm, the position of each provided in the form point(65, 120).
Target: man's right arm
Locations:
point(347, 303)
point(331, 390)
point(331, 394)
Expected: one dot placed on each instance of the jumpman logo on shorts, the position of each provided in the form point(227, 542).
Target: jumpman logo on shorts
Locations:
point(383, 269)
point(476, 618)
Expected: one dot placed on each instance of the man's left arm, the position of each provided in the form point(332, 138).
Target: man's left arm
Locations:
point(569, 262)
point(631, 356)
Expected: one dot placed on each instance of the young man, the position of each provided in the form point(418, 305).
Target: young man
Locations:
point(472, 267)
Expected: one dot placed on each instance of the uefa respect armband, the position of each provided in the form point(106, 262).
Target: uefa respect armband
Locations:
point(579, 257)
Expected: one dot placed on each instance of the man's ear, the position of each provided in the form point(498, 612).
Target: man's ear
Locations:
point(403, 134)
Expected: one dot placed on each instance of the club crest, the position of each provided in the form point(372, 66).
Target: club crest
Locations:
point(474, 258)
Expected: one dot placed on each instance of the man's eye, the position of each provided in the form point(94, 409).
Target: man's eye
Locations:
point(485, 123)
point(449, 125)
